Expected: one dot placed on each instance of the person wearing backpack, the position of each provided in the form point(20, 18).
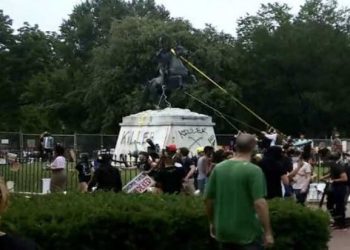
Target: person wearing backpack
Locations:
point(84, 172)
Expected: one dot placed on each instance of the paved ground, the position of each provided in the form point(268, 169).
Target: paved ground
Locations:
point(340, 240)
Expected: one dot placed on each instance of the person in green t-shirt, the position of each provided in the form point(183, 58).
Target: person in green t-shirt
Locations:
point(234, 197)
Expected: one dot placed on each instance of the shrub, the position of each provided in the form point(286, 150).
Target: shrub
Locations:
point(116, 221)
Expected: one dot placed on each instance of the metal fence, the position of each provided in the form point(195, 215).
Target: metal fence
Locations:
point(31, 176)
point(25, 144)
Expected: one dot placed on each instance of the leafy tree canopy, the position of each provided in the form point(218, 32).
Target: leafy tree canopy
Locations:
point(292, 70)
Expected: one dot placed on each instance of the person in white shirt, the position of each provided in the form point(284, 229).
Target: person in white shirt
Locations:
point(301, 177)
point(57, 167)
point(272, 137)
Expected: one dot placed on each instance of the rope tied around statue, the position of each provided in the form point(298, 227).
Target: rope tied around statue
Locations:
point(173, 74)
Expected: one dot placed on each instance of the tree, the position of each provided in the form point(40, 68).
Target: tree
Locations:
point(290, 69)
point(6, 94)
point(298, 63)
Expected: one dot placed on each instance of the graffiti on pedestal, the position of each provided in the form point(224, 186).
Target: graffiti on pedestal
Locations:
point(192, 131)
point(136, 137)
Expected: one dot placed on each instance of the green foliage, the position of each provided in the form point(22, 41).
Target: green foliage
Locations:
point(292, 225)
point(285, 67)
point(298, 63)
point(117, 221)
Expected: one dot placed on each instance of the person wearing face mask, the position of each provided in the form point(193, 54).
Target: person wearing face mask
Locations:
point(7, 241)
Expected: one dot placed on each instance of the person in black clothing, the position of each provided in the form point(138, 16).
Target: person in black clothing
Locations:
point(106, 177)
point(11, 242)
point(84, 173)
point(323, 152)
point(218, 156)
point(189, 170)
point(274, 171)
point(170, 175)
point(338, 189)
point(287, 164)
point(144, 163)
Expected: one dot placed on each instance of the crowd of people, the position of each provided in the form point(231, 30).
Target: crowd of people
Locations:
point(238, 188)
point(288, 168)
point(235, 183)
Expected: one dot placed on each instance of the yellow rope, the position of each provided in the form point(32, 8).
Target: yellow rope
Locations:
point(215, 110)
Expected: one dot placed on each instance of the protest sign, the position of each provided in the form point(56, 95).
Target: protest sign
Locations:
point(139, 184)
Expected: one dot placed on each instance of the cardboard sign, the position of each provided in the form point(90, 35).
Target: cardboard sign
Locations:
point(315, 191)
point(5, 141)
point(11, 158)
point(139, 184)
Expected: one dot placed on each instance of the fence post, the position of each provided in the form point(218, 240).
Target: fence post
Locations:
point(20, 143)
point(75, 142)
point(101, 140)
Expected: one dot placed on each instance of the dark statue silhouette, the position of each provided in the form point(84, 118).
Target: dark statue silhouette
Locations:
point(172, 72)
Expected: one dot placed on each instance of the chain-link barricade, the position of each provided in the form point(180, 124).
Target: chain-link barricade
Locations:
point(318, 142)
point(109, 141)
point(88, 144)
point(9, 143)
point(31, 147)
point(67, 141)
point(225, 140)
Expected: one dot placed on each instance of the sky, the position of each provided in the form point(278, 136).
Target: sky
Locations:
point(222, 14)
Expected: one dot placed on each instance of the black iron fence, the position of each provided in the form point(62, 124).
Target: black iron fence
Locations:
point(33, 177)
point(26, 145)
point(29, 175)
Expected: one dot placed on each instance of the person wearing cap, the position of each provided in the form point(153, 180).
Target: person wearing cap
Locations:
point(200, 153)
point(234, 199)
point(171, 172)
point(9, 242)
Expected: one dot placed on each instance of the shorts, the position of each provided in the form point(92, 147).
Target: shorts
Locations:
point(84, 179)
point(188, 187)
point(201, 185)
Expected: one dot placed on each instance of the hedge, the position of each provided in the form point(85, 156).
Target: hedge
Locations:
point(117, 221)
